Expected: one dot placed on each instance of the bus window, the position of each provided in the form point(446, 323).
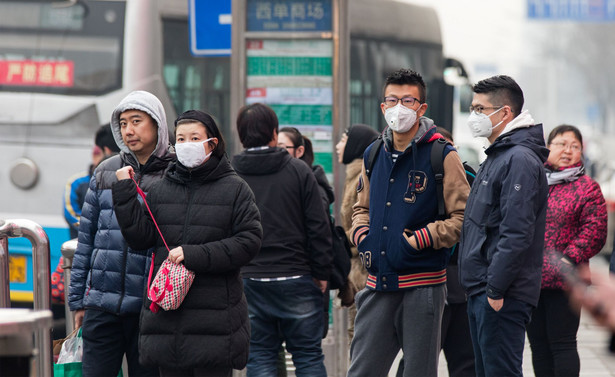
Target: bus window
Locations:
point(196, 83)
point(72, 50)
point(372, 60)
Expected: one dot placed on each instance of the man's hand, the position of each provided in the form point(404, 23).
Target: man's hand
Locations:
point(321, 284)
point(496, 304)
point(79, 318)
point(126, 172)
point(176, 255)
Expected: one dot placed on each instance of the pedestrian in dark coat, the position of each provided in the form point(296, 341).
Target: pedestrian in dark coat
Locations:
point(209, 219)
point(502, 238)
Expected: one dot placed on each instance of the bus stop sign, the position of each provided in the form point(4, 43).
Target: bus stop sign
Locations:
point(210, 27)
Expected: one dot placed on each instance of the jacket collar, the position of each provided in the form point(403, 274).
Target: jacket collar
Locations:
point(423, 135)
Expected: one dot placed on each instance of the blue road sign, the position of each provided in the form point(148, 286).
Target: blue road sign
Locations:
point(573, 10)
point(210, 27)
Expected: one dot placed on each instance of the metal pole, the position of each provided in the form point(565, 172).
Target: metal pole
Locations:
point(341, 84)
point(68, 252)
point(5, 281)
point(41, 284)
point(238, 66)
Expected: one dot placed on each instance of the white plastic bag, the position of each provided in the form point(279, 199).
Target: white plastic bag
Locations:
point(72, 350)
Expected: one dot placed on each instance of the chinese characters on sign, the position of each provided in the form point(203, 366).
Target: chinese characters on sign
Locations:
point(36, 73)
point(295, 78)
point(577, 10)
point(289, 15)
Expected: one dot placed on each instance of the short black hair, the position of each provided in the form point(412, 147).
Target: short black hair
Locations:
point(256, 124)
point(563, 128)
point(406, 77)
point(502, 90)
point(445, 133)
point(104, 138)
point(207, 121)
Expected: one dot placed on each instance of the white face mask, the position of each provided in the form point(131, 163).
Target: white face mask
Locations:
point(400, 118)
point(192, 154)
point(480, 124)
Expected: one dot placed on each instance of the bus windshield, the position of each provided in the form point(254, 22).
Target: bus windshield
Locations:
point(52, 47)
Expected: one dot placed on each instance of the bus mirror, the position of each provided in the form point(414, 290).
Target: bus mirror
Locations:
point(454, 72)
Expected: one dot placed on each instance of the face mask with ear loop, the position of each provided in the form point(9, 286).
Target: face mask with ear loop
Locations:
point(192, 154)
point(480, 124)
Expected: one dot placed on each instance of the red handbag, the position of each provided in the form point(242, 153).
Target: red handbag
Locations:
point(172, 281)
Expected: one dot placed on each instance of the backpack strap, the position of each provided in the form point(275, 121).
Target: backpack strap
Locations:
point(372, 156)
point(437, 165)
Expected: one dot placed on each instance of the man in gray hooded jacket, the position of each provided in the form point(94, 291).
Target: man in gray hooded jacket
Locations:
point(108, 277)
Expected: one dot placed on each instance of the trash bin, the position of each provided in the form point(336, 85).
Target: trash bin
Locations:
point(24, 339)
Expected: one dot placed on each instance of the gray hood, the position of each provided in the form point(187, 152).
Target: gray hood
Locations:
point(149, 103)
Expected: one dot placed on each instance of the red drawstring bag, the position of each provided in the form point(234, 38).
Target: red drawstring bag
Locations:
point(172, 281)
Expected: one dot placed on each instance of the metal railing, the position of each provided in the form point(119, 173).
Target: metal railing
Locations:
point(34, 233)
point(68, 253)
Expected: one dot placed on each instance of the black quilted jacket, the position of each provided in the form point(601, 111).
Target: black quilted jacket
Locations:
point(211, 213)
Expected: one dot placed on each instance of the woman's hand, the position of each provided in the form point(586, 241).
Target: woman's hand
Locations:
point(176, 255)
point(126, 172)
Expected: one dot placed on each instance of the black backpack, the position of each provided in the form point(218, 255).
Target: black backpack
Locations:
point(437, 165)
point(341, 256)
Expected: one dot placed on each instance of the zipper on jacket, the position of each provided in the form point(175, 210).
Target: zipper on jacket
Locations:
point(138, 176)
point(123, 289)
point(190, 199)
point(91, 272)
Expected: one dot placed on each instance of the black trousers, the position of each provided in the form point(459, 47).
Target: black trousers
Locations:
point(106, 338)
point(552, 333)
point(457, 341)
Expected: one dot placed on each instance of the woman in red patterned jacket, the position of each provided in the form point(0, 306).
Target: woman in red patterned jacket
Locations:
point(576, 230)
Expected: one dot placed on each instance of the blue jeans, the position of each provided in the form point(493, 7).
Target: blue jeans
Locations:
point(291, 311)
point(498, 337)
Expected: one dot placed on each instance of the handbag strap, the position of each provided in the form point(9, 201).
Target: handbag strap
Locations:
point(151, 267)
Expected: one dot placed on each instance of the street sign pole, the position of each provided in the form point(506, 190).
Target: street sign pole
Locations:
point(293, 55)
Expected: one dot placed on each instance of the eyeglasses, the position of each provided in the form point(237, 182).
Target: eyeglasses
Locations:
point(573, 147)
point(286, 146)
point(406, 101)
point(478, 109)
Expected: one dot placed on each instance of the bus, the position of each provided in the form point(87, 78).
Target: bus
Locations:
point(64, 66)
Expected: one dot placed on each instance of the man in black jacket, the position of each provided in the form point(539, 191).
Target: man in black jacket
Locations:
point(500, 254)
point(284, 284)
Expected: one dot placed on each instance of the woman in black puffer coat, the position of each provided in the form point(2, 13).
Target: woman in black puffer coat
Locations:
point(209, 219)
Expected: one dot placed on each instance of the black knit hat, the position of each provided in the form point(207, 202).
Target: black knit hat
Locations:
point(210, 125)
point(360, 136)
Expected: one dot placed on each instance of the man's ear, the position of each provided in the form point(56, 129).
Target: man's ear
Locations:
point(422, 110)
point(274, 139)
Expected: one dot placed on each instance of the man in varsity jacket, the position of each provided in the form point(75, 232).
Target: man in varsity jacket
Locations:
point(403, 243)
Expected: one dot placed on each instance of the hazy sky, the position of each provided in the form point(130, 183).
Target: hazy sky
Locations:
point(485, 35)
